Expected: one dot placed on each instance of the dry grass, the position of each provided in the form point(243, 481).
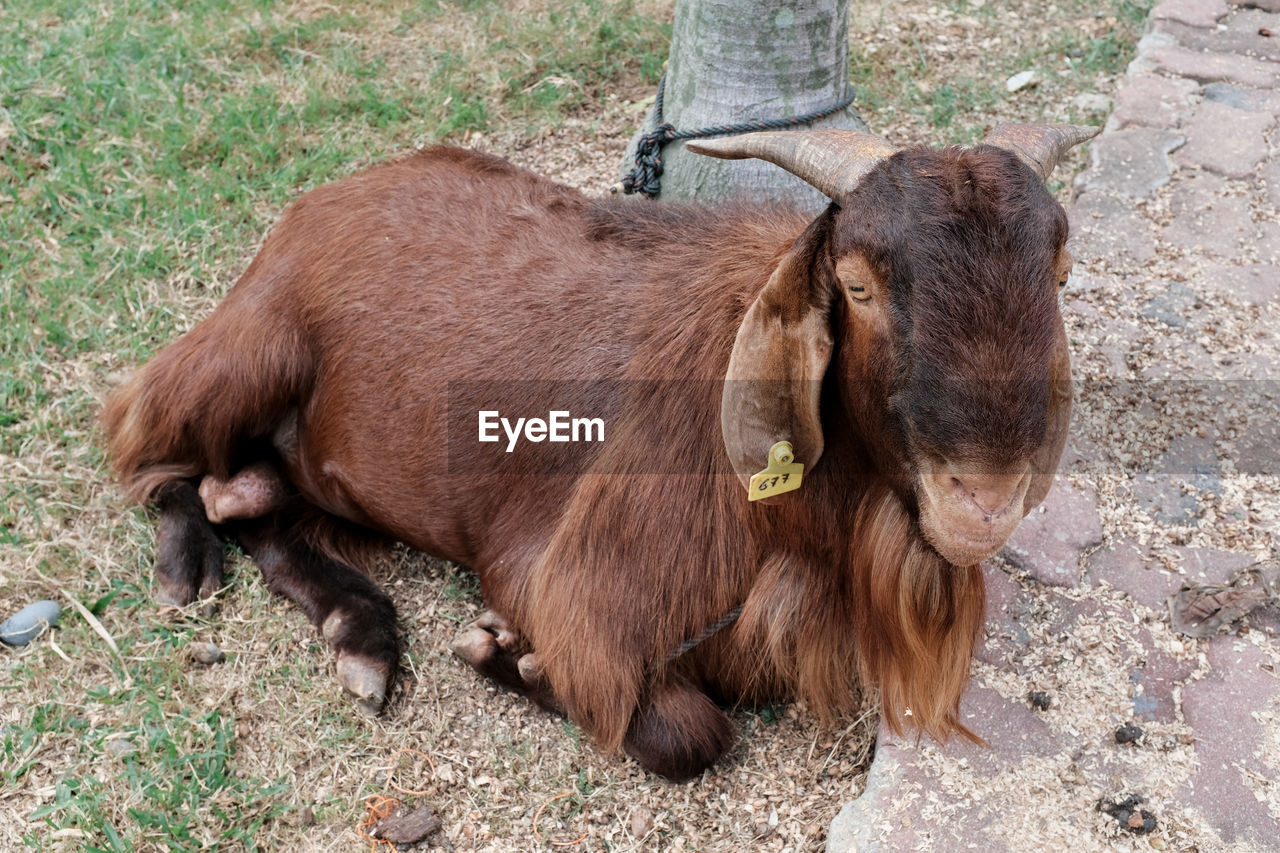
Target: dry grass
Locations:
point(261, 751)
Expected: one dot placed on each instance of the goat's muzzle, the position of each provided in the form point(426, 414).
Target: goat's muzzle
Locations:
point(967, 512)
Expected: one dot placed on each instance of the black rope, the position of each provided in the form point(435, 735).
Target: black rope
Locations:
point(707, 633)
point(645, 177)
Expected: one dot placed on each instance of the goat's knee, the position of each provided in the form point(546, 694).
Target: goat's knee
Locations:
point(251, 492)
point(678, 732)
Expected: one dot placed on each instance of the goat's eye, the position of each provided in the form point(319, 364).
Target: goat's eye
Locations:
point(859, 293)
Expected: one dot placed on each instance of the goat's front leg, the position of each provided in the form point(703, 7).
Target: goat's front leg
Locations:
point(494, 649)
point(677, 731)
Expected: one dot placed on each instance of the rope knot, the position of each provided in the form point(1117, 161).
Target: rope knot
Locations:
point(644, 178)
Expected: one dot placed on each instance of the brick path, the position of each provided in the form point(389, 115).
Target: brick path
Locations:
point(1174, 314)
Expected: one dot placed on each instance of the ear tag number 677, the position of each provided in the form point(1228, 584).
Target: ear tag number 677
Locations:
point(783, 474)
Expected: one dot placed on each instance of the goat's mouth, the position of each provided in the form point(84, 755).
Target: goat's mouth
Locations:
point(968, 514)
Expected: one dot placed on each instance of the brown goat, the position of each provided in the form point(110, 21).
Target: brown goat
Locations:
point(906, 342)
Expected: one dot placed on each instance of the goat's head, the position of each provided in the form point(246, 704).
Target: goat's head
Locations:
point(926, 298)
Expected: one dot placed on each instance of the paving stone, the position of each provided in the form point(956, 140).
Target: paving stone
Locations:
point(1197, 13)
point(1210, 565)
point(1120, 340)
point(1009, 606)
point(885, 819)
point(1172, 307)
point(1106, 228)
point(1208, 219)
point(1253, 284)
point(1212, 67)
point(1271, 181)
point(862, 826)
point(1079, 449)
point(1225, 140)
point(1255, 449)
point(1267, 246)
point(1251, 23)
point(1156, 678)
point(1012, 729)
point(1240, 36)
point(1050, 540)
point(1231, 712)
point(1128, 566)
point(1153, 100)
point(1195, 460)
point(1133, 162)
point(1166, 500)
point(1242, 98)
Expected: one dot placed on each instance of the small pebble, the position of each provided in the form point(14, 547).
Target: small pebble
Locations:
point(1129, 733)
point(306, 817)
point(1022, 80)
point(25, 625)
point(207, 653)
point(1141, 822)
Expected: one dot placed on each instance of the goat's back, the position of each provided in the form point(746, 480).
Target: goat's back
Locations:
point(453, 276)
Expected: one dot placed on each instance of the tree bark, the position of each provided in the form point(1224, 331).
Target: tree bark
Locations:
point(738, 60)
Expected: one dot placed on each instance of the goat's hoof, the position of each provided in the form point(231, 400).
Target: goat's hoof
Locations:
point(530, 670)
point(365, 679)
point(500, 628)
point(168, 593)
point(475, 646)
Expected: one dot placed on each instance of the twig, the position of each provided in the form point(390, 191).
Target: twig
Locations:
point(538, 814)
point(59, 652)
point(391, 770)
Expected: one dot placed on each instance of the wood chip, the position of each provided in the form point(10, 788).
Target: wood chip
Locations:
point(407, 827)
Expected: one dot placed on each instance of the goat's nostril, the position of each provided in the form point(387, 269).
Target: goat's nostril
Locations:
point(990, 496)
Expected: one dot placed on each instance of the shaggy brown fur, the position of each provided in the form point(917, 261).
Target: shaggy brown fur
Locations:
point(333, 360)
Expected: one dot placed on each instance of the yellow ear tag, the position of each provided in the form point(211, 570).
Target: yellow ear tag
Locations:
point(782, 475)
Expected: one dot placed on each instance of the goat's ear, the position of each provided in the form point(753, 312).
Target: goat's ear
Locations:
point(1044, 463)
point(774, 381)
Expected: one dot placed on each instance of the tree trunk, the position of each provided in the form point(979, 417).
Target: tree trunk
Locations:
point(738, 60)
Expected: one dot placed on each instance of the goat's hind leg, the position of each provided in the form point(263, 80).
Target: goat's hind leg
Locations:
point(188, 550)
point(251, 492)
point(355, 616)
point(189, 556)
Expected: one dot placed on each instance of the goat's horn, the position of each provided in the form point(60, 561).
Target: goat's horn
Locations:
point(831, 160)
point(1040, 146)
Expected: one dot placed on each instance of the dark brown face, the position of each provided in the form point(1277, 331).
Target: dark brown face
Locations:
point(952, 348)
